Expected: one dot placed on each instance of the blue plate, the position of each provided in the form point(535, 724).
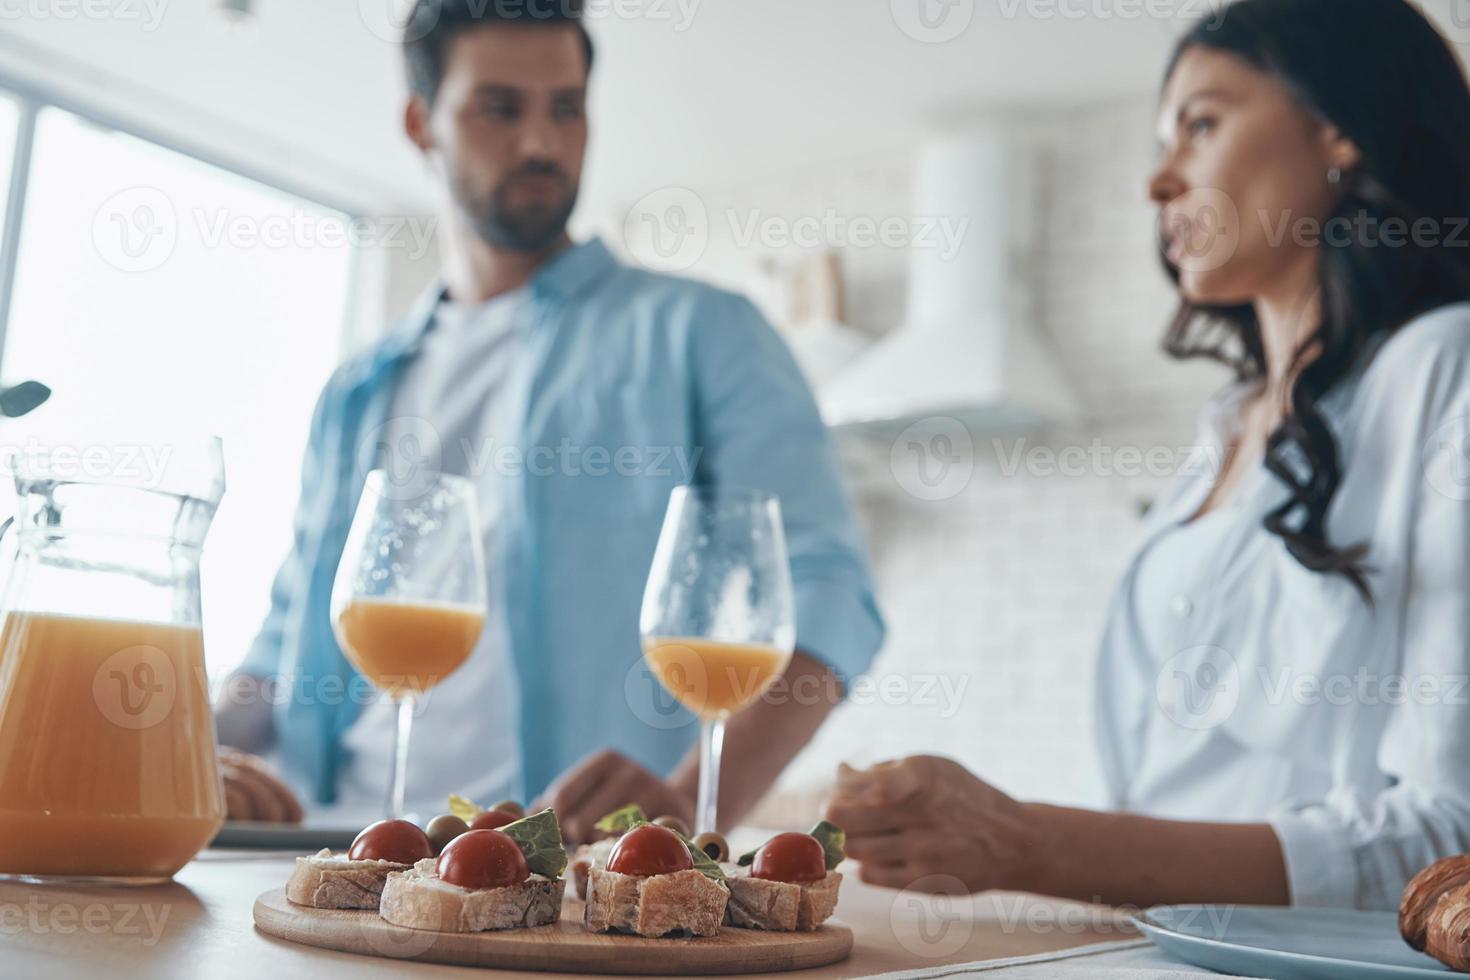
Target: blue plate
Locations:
point(1288, 944)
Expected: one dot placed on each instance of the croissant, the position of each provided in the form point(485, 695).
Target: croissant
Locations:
point(1448, 938)
point(1434, 915)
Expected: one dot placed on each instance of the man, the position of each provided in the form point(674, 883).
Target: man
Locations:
point(611, 386)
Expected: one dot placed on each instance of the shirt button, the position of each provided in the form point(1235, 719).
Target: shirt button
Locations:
point(1181, 607)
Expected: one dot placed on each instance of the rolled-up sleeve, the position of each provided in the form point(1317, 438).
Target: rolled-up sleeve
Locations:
point(759, 426)
point(1360, 851)
point(1321, 868)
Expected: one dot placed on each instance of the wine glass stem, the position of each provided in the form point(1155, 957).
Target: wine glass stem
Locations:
point(398, 788)
point(711, 746)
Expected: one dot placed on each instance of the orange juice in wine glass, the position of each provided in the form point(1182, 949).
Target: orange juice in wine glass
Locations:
point(718, 619)
point(408, 603)
point(714, 679)
point(405, 648)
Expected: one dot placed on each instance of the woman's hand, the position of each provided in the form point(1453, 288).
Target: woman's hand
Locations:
point(925, 823)
point(252, 791)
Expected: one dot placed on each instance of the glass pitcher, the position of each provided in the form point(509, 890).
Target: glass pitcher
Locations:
point(107, 752)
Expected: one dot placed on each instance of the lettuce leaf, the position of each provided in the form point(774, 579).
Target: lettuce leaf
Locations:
point(703, 863)
point(622, 821)
point(833, 839)
point(539, 838)
point(465, 809)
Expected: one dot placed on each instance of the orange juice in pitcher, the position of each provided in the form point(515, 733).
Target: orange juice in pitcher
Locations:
point(107, 751)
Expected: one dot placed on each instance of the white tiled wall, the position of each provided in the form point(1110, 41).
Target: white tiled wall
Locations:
point(1000, 591)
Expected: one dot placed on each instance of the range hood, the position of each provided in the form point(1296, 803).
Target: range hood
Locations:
point(968, 348)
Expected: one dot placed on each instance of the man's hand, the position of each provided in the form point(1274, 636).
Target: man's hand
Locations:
point(602, 783)
point(926, 822)
point(252, 791)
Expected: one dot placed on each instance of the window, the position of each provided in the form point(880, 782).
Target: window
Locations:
point(161, 296)
point(9, 121)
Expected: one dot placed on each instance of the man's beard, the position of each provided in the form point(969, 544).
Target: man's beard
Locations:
point(519, 228)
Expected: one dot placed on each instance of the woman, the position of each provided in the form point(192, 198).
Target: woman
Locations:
point(1281, 698)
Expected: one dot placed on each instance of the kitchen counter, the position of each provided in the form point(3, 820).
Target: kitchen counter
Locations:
point(200, 926)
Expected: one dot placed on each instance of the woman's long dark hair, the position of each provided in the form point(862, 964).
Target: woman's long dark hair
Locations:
point(1379, 72)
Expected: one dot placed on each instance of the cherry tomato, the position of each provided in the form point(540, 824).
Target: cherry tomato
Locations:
point(796, 858)
point(649, 850)
point(391, 840)
point(491, 819)
point(482, 859)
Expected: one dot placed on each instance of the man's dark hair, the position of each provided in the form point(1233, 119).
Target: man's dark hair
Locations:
point(434, 23)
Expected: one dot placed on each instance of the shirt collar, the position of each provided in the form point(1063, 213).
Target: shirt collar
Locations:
point(566, 275)
point(404, 338)
point(573, 270)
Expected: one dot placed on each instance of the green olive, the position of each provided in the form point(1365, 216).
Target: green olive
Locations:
point(675, 824)
point(443, 829)
point(714, 845)
point(509, 806)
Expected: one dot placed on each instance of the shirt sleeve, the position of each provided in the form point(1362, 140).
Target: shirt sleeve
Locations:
point(1358, 848)
point(759, 426)
point(264, 657)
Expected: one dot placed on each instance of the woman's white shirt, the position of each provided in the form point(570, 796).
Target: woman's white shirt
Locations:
point(1235, 684)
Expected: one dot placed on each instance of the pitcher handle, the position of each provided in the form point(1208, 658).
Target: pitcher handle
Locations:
point(5, 526)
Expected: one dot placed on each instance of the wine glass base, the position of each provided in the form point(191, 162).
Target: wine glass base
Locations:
point(86, 881)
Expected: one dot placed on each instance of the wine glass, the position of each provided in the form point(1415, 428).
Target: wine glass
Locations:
point(408, 603)
point(717, 623)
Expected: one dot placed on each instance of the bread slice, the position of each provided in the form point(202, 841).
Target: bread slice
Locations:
point(326, 881)
point(682, 903)
point(419, 899)
point(587, 857)
point(779, 906)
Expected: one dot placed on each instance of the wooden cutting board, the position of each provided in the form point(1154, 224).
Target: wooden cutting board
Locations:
point(564, 947)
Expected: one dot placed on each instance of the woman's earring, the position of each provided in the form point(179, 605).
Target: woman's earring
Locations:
point(1334, 176)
